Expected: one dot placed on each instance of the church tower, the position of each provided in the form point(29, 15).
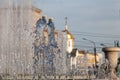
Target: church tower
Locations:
point(70, 38)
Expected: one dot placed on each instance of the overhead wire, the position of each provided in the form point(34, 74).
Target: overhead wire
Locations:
point(83, 44)
point(77, 41)
point(88, 46)
point(95, 34)
point(102, 36)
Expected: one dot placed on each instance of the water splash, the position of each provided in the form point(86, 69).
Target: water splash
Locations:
point(15, 40)
point(16, 52)
point(49, 55)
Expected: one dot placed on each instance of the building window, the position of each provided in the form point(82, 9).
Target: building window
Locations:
point(69, 43)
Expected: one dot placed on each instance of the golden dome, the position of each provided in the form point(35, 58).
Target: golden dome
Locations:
point(69, 35)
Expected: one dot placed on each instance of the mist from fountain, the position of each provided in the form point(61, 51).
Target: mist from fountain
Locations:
point(50, 51)
point(15, 41)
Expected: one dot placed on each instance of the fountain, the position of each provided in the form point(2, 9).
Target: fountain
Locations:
point(38, 55)
point(111, 54)
point(28, 55)
point(50, 53)
point(16, 23)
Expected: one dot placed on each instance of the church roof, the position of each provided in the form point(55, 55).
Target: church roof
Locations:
point(73, 53)
point(68, 33)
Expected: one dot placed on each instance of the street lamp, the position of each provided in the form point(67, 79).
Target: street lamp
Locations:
point(94, 49)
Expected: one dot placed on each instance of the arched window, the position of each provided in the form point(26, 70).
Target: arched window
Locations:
point(69, 43)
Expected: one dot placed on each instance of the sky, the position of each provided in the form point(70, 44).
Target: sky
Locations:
point(96, 20)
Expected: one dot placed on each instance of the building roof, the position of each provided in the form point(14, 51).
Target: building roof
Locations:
point(36, 9)
point(73, 53)
point(68, 33)
point(26, 7)
point(81, 51)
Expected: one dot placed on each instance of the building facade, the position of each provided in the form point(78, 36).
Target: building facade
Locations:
point(82, 59)
point(79, 58)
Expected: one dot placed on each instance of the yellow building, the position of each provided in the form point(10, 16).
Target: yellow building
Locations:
point(80, 59)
